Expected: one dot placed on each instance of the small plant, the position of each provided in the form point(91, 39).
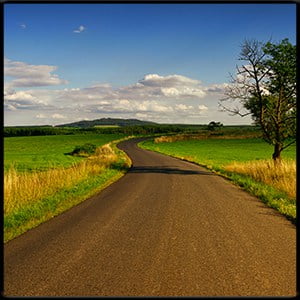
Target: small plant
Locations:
point(84, 150)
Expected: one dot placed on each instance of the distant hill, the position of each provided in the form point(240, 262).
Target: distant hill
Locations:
point(107, 121)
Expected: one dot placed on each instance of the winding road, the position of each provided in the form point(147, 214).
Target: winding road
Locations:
point(166, 228)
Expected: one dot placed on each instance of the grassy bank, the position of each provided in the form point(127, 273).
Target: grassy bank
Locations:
point(244, 161)
point(31, 198)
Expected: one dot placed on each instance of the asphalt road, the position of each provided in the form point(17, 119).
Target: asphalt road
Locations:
point(167, 228)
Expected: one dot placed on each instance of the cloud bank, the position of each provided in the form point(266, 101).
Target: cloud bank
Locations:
point(171, 98)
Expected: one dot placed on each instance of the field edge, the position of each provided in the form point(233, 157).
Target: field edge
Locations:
point(267, 194)
point(58, 203)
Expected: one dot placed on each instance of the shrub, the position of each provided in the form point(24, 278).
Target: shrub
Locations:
point(84, 150)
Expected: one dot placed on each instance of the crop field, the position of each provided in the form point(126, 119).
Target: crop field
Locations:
point(32, 153)
point(247, 162)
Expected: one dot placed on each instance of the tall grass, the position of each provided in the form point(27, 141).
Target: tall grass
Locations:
point(205, 135)
point(32, 198)
point(281, 176)
point(23, 189)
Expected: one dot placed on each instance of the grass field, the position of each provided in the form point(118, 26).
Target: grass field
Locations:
point(245, 161)
point(32, 153)
point(47, 182)
point(219, 152)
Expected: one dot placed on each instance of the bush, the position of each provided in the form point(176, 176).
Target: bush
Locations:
point(214, 125)
point(84, 150)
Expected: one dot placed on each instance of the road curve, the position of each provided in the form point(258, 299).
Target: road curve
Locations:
point(166, 228)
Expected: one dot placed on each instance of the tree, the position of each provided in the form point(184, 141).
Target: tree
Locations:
point(213, 125)
point(265, 88)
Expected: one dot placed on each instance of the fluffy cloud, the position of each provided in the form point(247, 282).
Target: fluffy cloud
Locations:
point(80, 29)
point(14, 100)
point(172, 98)
point(53, 116)
point(202, 107)
point(20, 96)
point(216, 88)
point(27, 75)
point(151, 87)
point(41, 116)
point(167, 81)
point(58, 116)
point(173, 86)
point(183, 107)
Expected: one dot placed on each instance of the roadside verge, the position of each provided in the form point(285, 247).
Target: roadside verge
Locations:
point(272, 197)
point(92, 175)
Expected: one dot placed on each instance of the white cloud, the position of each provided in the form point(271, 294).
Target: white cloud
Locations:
point(27, 75)
point(177, 86)
point(19, 96)
point(156, 86)
point(183, 107)
point(172, 98)
point(216, 88)
point(9, 107)
point(80, 29)
point(183, 92)
point(29, 99)
point(142, 116)
point(23, 26)
point(202, 107)
point(167, 81)
point(58, 116)
point(41, 116)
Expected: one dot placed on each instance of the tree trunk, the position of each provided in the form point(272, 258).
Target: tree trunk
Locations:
point(277, 153)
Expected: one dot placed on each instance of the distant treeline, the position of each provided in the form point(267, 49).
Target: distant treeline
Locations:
point(127, 130)
point(35, 130)
point(130, 130)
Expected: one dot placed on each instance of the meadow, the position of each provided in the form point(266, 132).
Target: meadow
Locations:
point(245, 161)
point(41, 181)
point(37, 153)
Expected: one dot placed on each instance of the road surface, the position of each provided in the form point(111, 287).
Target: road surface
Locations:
point(166, 228)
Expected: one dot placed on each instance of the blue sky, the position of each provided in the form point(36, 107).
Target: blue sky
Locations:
point(101, 60)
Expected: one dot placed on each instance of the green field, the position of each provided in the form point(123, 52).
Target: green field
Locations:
point(30, 153)
point(219, 152)
point(44, 185)
point(273, 185)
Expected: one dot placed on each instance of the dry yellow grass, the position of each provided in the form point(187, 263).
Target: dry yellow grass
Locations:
point(202, 136)
point(281, 176)
point(24, 188)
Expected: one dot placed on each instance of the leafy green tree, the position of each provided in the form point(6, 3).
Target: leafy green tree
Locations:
point(265, 88)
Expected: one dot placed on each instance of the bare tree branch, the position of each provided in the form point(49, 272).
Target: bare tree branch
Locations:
point(289, 144)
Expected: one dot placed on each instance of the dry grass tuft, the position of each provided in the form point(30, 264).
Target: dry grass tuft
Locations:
point(281, 176)
point(21, 189)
